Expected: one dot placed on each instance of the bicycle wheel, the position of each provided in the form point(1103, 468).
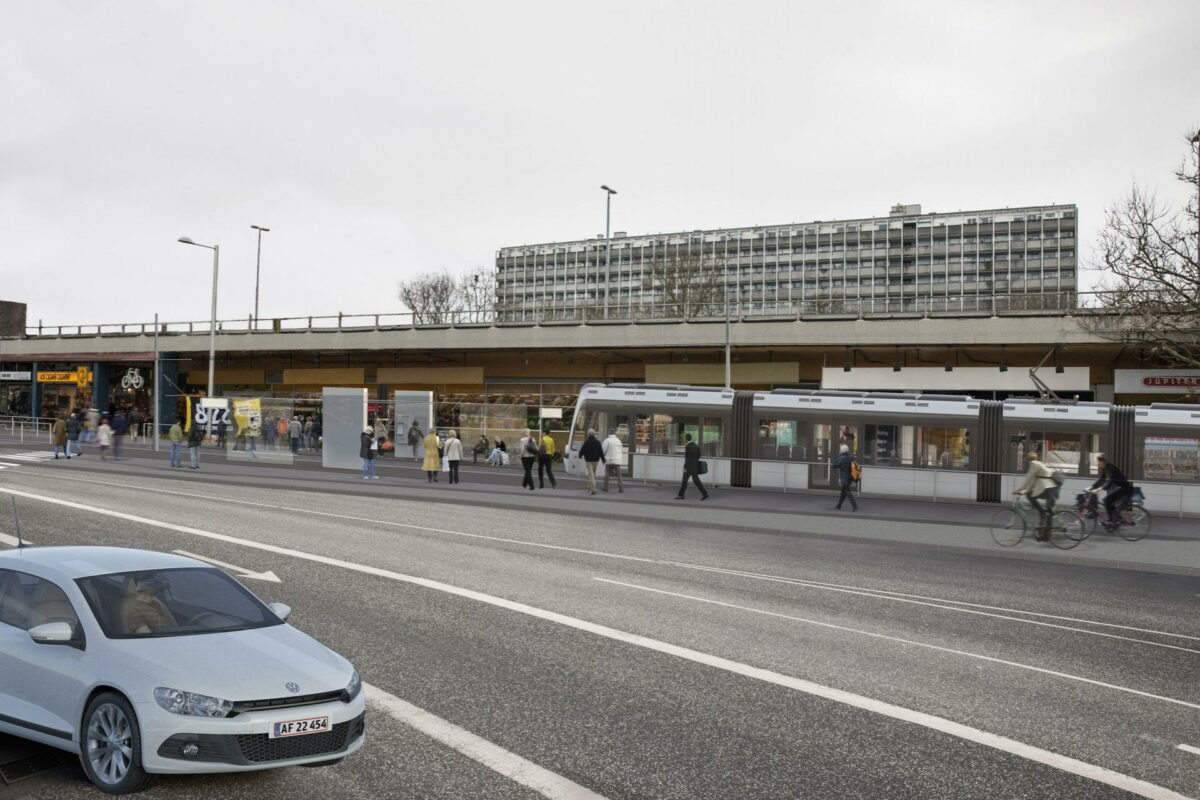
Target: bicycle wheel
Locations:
point(1066, 529)
point(1139, 525)
point(1008, 527)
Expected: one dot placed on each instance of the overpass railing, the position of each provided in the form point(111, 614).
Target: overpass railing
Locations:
point(1056, 303)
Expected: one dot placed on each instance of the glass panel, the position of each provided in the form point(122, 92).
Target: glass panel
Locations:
point(945, 448)
point(260, 428)
point(662, 434)
point(1169, 458)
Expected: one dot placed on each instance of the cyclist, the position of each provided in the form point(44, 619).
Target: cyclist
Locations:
point(1113, 481)
point(1039, 485)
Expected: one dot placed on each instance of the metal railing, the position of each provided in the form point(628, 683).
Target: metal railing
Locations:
point(593, 312)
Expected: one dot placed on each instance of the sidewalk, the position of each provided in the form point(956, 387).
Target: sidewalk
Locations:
point(1173, 545)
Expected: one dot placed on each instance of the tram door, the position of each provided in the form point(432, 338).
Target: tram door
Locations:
point(625, 425)
point(828, 439)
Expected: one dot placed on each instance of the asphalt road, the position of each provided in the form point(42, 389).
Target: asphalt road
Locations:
point(657, 661)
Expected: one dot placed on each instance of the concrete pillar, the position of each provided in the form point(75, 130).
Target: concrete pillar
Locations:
point(100, 387)
point(35, 392)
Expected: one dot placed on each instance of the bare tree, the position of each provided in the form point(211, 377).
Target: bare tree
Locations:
point(433, 298)
point(1151, 287)
point(477, 293)
point(686, 285)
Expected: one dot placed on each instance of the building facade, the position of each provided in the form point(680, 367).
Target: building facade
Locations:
point(907, 261)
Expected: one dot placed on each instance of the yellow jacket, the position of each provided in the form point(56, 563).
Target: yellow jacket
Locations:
point(432, 461)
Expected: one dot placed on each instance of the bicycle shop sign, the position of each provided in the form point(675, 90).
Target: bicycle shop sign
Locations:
point(1157, 381)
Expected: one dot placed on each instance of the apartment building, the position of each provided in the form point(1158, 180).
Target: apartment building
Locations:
point(909, 260)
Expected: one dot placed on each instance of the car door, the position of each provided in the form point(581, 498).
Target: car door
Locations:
point(41, 684)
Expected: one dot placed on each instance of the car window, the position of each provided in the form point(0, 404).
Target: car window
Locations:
point(173, 602)
point(27, 601)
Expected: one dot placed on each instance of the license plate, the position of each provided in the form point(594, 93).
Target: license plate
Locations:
point(299, 727)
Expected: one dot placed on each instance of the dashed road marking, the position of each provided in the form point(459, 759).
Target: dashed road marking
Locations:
point(1187, 748)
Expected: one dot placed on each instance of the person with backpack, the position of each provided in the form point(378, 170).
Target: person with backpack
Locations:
point(368, 450)
point(414, 438)
point(529, 457)
point(175, 435)
point(195, 438)
point(1041, 484)
point(693, 468)
point(848, 473)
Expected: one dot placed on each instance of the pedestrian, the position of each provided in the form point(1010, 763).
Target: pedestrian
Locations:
point(317, 434)
point(453, 454)
point(294, 431)
point(480, 448)
point(433, 460)
point(93, 425)
point(104, 436)
point(73, 431)
point(691, 468)
point(368, 449)
point(499, 454)
point(175, 436)
point(529, 454)
point(546, 461)
point(135, 423)
point(308, 433)
point(120, 427)
point(58, 436)
point(414, 438)
point(195, 438)
point(380, 432)
point(846, 465)
point(614, 459)
point(592, 453)
point(221, 432)
point(281, 431)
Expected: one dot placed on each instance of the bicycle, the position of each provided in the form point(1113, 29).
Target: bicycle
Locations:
point(1133, 520)
point(1062, 527)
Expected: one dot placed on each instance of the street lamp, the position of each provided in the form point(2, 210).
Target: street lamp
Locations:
point(257, 263)
point(607, 241)
point(212, 320)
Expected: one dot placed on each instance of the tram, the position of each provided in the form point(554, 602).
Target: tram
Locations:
point(909, 445)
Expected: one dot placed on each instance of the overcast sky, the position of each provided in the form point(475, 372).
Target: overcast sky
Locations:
point(384, 139)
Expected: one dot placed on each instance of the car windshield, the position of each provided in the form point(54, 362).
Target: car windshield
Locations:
point(173, 602)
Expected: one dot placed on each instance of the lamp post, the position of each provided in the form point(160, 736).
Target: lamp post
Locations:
point(607, 240)
point(257, 264)
point(212, 320)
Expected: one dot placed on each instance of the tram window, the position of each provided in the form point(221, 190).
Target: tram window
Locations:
point(946, 448)
point(712, 437)
point(780, 438)
point(1170, 458)
point(1069, 453)
point(662, 434)
point(888, 445)
point(684, 425)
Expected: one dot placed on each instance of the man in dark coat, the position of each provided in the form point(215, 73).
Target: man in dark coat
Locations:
point(73, 431)
point(691, 468)
point(842, 465)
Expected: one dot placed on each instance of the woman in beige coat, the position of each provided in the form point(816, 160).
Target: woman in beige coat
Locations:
point(433, 460)
point(59, 436)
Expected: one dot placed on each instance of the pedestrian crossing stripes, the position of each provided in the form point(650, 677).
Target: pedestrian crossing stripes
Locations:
point(35, 455)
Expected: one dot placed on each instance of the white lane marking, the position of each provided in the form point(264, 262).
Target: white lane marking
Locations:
point(35, 455)
point(268, 576)
point(801, 582)
point(882, 594)
point(912, 642)
point(6, 465)
point(1187, 748)
point(510, 765)
point(11, 540)
point(965, 732)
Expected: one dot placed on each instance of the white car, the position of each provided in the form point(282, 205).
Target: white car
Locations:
point(146, 662)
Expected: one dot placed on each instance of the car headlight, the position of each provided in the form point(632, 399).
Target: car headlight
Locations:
point(190, 704)
point(354, 687)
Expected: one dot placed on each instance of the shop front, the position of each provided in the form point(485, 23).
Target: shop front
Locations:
point(63, 388)
point(16, 392)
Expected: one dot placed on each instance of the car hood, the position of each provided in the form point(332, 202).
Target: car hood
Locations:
point(241, 665)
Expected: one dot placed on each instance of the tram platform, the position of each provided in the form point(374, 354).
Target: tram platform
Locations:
point(1173, 546)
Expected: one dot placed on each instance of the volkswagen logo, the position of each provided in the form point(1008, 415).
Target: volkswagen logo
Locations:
point(293, 687)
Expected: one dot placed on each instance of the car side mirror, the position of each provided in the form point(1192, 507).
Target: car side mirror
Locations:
point(53, 633)
point(280, 610)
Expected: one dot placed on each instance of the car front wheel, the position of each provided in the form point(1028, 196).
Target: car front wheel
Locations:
point(112, 745)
